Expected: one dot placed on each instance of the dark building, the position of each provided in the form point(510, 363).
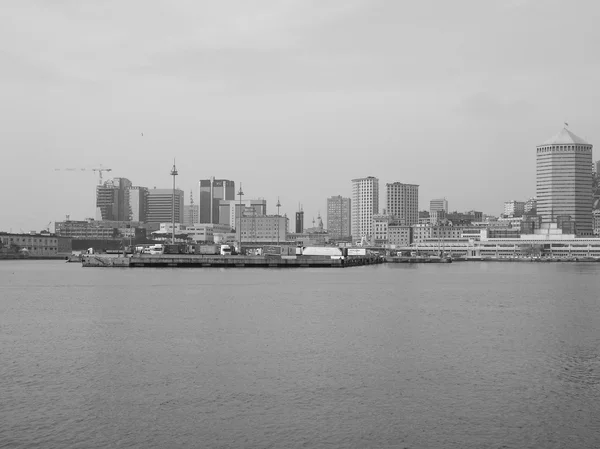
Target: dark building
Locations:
point(212, 191)
point(299, 222)
point(112, 200)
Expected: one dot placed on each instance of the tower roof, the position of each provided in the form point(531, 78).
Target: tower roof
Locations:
point(565, 137)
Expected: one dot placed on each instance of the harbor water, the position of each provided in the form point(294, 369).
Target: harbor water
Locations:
point(461, 355)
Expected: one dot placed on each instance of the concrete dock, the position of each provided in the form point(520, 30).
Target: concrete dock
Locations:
point(195, 260)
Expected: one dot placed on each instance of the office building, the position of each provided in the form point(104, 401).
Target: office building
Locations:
point(564, 181)
point(403, 202)
point(190, 214)
point(438, 204)
point(137, 200)
point(263, 229)
point(160, 206)
point(212, 192)
point(112, 200)
point(34, 244)
point(229, 210)
point(299, 221)
point(365, 204)
point(339, 216)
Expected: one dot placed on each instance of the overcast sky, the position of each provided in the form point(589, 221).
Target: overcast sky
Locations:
point(293, 98)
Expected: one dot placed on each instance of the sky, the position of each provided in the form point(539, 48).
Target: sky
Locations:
point(292, 98)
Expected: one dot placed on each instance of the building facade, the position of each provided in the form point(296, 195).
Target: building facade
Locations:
point(229, 210)
point(399, 235)
point(402, 201)
point(211, 192)
point(263, 229)
point(339, 216)
point(299, 222)
point(112, 200)
point(438, 204)
point(190, 214)
point(160, 206)
point(365, 204)
point(564, 181)
point(33, 244)
point(514, 208)
point(137, 199)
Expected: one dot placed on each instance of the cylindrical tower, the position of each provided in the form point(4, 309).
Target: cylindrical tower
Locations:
point(564, 181)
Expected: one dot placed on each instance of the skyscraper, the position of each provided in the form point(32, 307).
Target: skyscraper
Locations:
point(160, 206)
point(339, 216)
point(112, 200)
point(564, 181)
point(402, 201)
point(365, 203)
point(137, 197)
point(300, 221)
point(211, 192)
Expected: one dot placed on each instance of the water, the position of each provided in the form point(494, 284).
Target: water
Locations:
point(463, 355)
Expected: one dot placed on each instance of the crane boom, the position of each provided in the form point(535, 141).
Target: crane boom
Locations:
point(99, 169)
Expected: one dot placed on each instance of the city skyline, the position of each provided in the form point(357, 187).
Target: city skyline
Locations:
point(244, 90)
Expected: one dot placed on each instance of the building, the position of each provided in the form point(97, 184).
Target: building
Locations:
point(365, 203)
point(564, 181)
point(464, 218)
point(339, 217)
point(86, 229)
point(530, 207)
point(380, 229)
point(190, 214)
point(402, 201)
point(514, 208)
point(112, 200)
point(299, 222)
point(263, 229)
point(34, 244)
point(212, 192)
point(229, 210)
point(420, 232)
point(438, 204)
point(160, 206)
point(137, 201)
point(399, 235)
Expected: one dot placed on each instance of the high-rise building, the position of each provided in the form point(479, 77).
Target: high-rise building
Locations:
point(403, 202)
point(365, 203)
point(229, 210)
point(564, 181)
point(300, 221)
point(137, 198)
point(112, 200)
point(160, 206)
point(212, 191)
point(339, 216)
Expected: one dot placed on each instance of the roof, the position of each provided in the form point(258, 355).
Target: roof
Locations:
point(565, 137)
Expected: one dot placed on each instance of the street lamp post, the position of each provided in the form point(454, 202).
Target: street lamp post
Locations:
point(240, 193)
point(278, 206)
point(173, 174)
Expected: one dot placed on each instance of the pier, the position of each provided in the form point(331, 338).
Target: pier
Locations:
point(215, 261)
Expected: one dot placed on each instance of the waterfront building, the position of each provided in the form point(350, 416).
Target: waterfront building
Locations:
point(263, 229)
point(380, 229)
point(339, 216)
point(564, 181)
point(398, 234)
point(402, 201)
point(211, 192)
point(229, 210)
point(365, 203)
point(160, 206)
point(87, 229)
point(420, 232)
point(137, 202)
point(112, 200)
point(514, 208)
point(33, 244)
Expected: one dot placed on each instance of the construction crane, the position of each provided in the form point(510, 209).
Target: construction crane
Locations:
point(99, 169)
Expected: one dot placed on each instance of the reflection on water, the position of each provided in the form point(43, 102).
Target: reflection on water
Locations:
point(461, 355)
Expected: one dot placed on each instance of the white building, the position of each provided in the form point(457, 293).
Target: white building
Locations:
point(365, 204)
point(438, 204)
point(514, 208)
